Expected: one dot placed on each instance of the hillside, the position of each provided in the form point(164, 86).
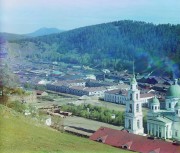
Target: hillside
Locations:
point(43, 31)
point(19, 134)
point(11, 37)
point(112, 45)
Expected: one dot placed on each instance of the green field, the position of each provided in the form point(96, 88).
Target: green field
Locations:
point(19, 134)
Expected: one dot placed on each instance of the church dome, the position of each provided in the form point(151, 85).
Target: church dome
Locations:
point(155, 101)
point(177, 106)
point(174, 91)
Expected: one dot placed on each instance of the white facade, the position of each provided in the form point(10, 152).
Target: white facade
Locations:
point(119, 96)
point(133, 114)
point(165, 123)
point(116, 96)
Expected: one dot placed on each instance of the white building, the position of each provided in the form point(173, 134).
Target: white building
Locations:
point(120, 96)
point(133, 113)
point(117, 96)
point(165, 123)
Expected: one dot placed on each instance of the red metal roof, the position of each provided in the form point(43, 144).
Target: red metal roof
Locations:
point(123, 139)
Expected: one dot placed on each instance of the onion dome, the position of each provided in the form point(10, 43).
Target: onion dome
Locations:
point(155, 101)
point(174, 90)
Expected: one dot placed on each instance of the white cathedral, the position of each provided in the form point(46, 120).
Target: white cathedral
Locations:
point(160, 123)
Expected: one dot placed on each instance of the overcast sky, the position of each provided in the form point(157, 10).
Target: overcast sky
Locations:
point(24, 16)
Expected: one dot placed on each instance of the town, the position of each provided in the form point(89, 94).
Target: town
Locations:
point(95, 76)
point(52, 87)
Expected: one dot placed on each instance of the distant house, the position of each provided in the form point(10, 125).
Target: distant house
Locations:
point(120, 96)
point(41, 93)
point(89, 91)
point(100, 76)
point(160, 87)
point(137, 143)
point(80, 88)
point(95, 83)
point(66, 113)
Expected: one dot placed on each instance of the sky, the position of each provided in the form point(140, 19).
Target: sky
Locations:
point(25, 16)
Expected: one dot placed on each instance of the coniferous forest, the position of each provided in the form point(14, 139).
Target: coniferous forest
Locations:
point(112, 45)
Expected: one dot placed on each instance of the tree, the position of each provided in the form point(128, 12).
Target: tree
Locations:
point(8, 80)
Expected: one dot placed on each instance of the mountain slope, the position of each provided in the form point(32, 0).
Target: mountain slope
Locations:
point(10, 36)
point(113, 45)
point(44, 31)
point(19, 134)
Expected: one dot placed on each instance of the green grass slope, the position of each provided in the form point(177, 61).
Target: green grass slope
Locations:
point(19, 134)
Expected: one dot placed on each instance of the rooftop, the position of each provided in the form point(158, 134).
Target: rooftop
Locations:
point(137, 143)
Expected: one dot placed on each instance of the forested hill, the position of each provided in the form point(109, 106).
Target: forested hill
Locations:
point(112, 45)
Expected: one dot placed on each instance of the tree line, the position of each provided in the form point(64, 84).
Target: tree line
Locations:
point(96, 113)
point(112, 45)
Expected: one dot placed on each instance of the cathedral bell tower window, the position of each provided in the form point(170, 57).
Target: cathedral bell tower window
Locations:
point(137, 108)
point(130, 108)
point(176, 133)
point(130, 96)
point(177, 112)
point(138, 124)
point(136, 96)
point(129, 124)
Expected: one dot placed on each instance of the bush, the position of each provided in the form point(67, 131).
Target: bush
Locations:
point(96, 113)
point(17, 106)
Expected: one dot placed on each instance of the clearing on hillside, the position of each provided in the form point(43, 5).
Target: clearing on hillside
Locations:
point(20, 134)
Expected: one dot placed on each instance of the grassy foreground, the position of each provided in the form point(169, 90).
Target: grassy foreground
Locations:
point(19, 134)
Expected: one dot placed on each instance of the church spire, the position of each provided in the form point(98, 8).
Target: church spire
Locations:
point(133, 79)
point(133, 69)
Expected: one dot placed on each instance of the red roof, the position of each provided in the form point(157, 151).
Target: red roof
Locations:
point(133, 142)
point(146, 95)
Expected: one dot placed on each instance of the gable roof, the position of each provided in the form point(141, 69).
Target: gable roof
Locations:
point(123, 139)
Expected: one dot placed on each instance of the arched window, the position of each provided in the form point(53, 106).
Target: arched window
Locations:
point(176, 133)
point(177, 112)
point(138, 124)
point(137, 108)
point(136, 96)
point(130, 108)
point(129, 124)
point(169, 105)
point(130, 96)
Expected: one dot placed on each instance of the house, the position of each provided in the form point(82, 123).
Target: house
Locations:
point(137, 143)
point(89, 91)
point(66, 113)
point(80, 88)
point(118, 96)
point(95, 83)
point(41, 93)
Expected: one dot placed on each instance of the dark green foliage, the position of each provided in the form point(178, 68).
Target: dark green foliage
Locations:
point(17, 106)
point(113, 45)
point(96, 113)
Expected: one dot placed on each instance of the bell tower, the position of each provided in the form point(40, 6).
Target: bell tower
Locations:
point(133, 113)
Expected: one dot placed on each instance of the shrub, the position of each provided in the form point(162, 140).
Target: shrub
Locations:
point(17, 106)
